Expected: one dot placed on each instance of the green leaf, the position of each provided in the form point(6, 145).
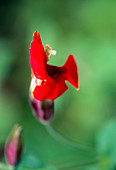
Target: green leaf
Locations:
point(30, 162)
point(106, 144)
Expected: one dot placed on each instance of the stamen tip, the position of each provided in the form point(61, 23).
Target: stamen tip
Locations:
point(53, 52)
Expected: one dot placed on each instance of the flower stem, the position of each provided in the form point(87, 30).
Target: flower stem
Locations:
point(79, 165)
point(76, 146)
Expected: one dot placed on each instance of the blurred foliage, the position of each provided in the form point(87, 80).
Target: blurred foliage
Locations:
point(87, 117)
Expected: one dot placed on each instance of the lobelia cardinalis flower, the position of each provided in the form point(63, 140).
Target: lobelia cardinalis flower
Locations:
point(13, 147)
point(47, 81)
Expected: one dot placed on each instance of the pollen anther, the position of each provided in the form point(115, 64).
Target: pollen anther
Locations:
point(49, 51)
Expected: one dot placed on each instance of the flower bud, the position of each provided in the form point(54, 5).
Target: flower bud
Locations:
point(13, 147)
point(43, 110)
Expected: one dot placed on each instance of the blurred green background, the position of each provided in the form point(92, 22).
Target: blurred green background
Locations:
point(86, 117)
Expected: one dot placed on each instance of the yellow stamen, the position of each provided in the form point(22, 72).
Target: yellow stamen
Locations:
point(48, 47)
point(49, 51)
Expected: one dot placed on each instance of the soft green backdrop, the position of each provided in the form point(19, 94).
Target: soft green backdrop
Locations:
point(87, 117)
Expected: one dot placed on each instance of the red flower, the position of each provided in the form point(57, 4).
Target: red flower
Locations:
point(47, 81)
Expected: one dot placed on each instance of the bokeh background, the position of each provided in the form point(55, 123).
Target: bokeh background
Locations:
point(86, 118)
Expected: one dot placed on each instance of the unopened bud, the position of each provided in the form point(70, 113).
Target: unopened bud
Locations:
point(43, 110)
point(13, 147)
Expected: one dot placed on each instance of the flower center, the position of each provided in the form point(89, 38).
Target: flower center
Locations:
point(49, 51)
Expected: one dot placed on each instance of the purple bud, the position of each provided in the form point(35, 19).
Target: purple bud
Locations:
point(13, 147)
point(43, 110)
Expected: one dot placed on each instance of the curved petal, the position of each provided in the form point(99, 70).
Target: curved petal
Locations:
point(42, 92)
point(70, 71)
point(52, 89)
point(38, 57)
point(59, 89)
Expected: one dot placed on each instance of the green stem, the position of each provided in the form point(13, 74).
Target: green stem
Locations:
point(61, 138)
point(79, 165)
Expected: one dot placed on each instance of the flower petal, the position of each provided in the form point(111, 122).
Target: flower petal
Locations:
point(42, 92)
point(52, 89)
point(55, 85)
point(59, 89)
point(38, 57)
point(71, 72)
point(52, 71)
point(68, 71)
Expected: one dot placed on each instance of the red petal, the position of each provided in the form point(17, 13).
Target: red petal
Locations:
point(52, 89)
point(42, 92)
point(70, 71)
point(59, 89)
point(52, 70)
point(38, 57)
point(36, 36)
